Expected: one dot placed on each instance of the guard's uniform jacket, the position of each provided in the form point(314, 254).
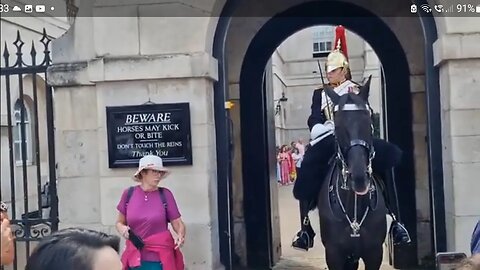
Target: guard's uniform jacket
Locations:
point(322, 106)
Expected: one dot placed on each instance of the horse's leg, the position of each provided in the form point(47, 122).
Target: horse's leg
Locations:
point(373, 258)
point(336, 258)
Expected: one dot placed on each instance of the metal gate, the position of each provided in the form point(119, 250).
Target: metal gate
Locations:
point(28, 179)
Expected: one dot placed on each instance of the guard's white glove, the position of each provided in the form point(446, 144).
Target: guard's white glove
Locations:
point(330, 124)
point(321, 129)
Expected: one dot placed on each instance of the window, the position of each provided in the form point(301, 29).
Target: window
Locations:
point(323, 46)
point(17, 132)
point(322, 40)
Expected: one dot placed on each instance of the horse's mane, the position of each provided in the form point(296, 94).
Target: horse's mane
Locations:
point(351, 98)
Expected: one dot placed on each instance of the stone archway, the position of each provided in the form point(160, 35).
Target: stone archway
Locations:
point(247, 52)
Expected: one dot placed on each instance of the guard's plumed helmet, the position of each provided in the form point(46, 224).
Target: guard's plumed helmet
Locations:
point(338, 58)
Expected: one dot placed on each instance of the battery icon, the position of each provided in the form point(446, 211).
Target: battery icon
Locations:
point(477, 9)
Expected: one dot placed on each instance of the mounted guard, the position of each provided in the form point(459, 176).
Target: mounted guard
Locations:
point(315, 165)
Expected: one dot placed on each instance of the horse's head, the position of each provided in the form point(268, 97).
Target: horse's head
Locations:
point(353, 133)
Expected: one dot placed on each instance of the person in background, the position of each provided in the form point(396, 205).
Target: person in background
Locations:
point(76, 249)
point(144, 212)
point(279, 173)
point(301, 147)
point(283, 159)
point(7, 251)
point(292, 146)
point(475, 243)
point(297, 161)
point(292, 170)
point(297, 158)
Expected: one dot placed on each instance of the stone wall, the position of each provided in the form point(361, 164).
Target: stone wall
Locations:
point(458, 58)
point(119, 64)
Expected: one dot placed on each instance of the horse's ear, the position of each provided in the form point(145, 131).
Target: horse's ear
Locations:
point(365, 89)
point(331, 94)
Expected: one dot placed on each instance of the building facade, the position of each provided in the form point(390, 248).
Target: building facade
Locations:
point(143, 54)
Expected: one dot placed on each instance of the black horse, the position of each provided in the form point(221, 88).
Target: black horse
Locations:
point(351, 207)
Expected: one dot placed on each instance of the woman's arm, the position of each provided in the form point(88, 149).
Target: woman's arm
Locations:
point(179, 228)
point(121, 225)
point(7, 249)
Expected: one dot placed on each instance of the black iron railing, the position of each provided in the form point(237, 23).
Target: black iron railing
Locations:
point(30, 128)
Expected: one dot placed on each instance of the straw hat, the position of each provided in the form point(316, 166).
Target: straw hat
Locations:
point(151, 162)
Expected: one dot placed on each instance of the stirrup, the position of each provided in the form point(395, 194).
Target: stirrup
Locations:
point(303, 246)
point(406, 239)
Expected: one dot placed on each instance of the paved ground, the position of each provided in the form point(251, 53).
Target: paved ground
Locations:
point(292, 259)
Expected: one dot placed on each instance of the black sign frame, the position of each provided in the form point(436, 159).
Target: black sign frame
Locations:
point(179, 110)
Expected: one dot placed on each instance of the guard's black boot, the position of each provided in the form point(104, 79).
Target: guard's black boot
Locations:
point(304, 238)
point(400, 235)
point(398, 232)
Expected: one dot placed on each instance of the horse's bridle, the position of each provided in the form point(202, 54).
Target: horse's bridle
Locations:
point(355, 225)
point(355, 142)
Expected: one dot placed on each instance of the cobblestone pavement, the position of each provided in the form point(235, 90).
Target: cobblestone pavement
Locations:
point(292, 259)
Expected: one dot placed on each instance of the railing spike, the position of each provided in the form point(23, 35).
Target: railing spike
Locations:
point(46, 41)
point(33, 53)
point(19, 44)
point(6, 54)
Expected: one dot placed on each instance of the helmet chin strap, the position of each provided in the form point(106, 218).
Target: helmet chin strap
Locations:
point(339, 83)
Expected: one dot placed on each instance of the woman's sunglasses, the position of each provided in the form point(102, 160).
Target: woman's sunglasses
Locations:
point(157, 172)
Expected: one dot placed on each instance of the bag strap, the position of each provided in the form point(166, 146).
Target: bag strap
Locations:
point(129, 195)
point(164, 201)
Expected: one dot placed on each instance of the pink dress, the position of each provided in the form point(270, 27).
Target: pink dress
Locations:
point(284, 160)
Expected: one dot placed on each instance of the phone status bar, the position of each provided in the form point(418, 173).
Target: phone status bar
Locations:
point(452, 10)
point(27, 8)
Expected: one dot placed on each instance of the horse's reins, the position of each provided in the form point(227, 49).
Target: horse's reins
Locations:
point(354, 225)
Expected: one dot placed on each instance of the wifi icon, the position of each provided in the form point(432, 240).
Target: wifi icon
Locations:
point(426, 8)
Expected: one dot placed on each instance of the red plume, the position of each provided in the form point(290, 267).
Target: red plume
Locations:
point(340, 35)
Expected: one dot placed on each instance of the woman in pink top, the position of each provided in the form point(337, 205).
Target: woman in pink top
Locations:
point(144, 213)
point(284, 159)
